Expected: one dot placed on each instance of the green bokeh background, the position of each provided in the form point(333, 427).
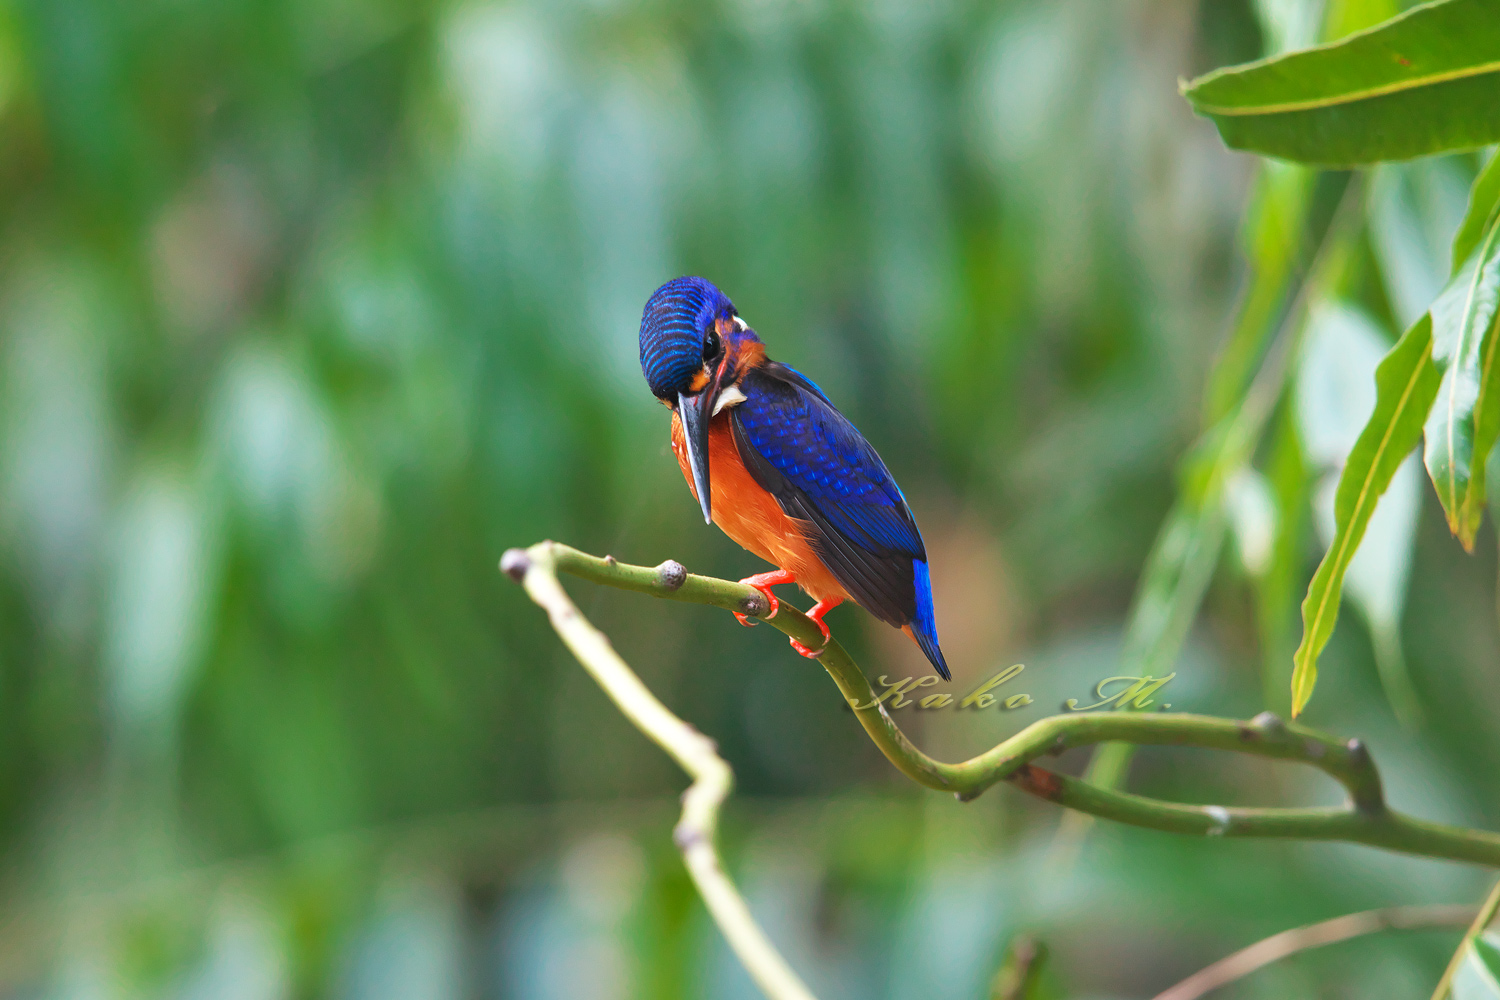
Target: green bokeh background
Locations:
point(310, 310)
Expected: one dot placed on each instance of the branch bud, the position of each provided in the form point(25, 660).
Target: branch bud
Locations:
point(1269, 723)
point(515, 563)
point(671, 574)
point(1359, 754)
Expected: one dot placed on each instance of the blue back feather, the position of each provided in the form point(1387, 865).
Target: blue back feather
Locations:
point(820, 452)
point(823, 471)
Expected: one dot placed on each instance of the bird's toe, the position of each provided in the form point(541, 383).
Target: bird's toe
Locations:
point(772, 604)
point(813, 654)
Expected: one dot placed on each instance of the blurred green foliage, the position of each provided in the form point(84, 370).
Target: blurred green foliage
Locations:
point(308, 311)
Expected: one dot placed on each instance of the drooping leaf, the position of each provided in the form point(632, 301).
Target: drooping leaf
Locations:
point(1335, 396)
point(1462, 426)
point(1421, 83)
point(1276, 589)
point(1405, 385)
point(1484, 200)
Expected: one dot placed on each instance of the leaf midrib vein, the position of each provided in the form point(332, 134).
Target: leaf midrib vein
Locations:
point(1484, 375)
point(1465, 323)
point(1364, 492)
point(1369, 93)
point(1489, 360)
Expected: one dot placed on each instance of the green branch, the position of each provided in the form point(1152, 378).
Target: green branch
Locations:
point(1363, 819)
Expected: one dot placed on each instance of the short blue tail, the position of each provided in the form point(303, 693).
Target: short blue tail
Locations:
point(923, 626)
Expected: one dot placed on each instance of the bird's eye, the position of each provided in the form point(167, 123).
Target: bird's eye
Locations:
point(711, 344)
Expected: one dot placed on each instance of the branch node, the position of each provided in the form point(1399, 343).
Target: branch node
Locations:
point(710, 744)
point(611, 561)
point(968, 795)
point(671, 574)
point(686, 837)
point(1269, 723)
point(1221, 819)
point(1059, 746)
point(1359, 754)
point(515, 563)
point(1369, 797)
point(1038, 781)
point(753, 606)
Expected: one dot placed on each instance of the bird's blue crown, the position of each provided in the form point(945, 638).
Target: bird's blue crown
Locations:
point(675, 329)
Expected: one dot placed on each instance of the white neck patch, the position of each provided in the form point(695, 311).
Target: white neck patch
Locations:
point(729, 396)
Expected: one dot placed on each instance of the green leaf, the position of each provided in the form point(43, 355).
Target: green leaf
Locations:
point(1335, 395)
point(1405, 385)
point(1484, 199)
point(1421, 83)
point(1463, 424)
point(1488, 956)
point(1478, 976)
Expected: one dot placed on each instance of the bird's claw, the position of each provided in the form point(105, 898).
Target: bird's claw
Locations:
point(813, 654)
point(771, 602)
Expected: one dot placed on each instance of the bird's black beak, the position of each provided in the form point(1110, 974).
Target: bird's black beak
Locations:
point(696, 411)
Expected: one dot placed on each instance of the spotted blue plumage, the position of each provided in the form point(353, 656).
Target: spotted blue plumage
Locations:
point(821, 470)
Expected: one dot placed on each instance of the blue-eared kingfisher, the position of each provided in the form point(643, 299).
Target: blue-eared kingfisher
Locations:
point(773, 463)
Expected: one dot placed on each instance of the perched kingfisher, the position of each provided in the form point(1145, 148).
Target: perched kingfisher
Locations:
point(786, 475)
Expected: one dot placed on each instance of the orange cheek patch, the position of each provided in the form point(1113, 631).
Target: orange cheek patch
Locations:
point(750, 354)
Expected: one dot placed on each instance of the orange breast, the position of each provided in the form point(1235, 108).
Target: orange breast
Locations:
point(751, 516)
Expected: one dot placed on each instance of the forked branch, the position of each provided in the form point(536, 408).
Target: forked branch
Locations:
point(1363, 819)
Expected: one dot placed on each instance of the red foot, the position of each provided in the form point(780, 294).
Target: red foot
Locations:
point(763, 582)
point(816, 614)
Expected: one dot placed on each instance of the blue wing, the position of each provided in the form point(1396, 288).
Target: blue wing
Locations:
point(821, 470)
